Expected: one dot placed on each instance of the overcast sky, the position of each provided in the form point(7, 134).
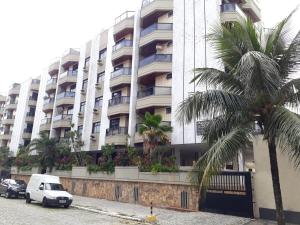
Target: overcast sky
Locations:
point(34, 32)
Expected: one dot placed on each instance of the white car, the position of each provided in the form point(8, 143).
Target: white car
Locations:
point(47, 190)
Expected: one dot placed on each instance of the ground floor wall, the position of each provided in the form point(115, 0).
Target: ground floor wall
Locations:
point(161, 195)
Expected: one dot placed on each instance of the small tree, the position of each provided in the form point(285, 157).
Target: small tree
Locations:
point(4, 158)
point(153, 132)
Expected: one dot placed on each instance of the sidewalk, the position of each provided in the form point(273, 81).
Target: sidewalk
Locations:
point(165, 217)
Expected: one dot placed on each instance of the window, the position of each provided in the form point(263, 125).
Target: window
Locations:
point(98, 102)
point(84, 84)
point(96, 128)
point(170, 14)
point(82, 106)
point(34, 95)
point(100, 77)
point(169, 76)
point(73, 88)
point(184, 200)
point(200, 127)
point(114, 123)
point(86, 62)
point(79, 129)
point(70, 110)
point(102, 54)
point(168, 110)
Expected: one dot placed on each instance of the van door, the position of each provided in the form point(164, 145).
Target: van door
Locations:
point(40, 192)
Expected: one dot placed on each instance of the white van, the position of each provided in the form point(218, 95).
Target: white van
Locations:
point(47, 190)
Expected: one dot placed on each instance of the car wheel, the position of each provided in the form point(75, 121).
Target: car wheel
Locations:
point(28, 200)
point(66, 206)
point(44, 203)
point(7, 195)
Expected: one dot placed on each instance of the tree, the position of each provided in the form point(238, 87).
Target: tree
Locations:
point(254, 88)
point(153, 132)
point(47, 149)
point(4, 157)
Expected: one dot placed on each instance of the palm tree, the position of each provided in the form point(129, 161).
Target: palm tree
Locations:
point(254, 88)
point(47, 149)
point(153, 132)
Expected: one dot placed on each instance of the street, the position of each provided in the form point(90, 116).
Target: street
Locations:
point(17, 212)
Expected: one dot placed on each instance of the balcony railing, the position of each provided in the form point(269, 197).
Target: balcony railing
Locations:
point(63, 117)
point(28, 130)
point(30, 114)
point(154, 91)
point(119, 100)
point(48, 101)
point(124, 16)
point(156, 26)
point(69, 73)
point(117, 131)
point(155, 58)
point(124, 43)
point(231, 7)
point(9, 117)
point(52, 81)
point(33, 98)
point(46, 121)
point(68, 94)
point(122, 71)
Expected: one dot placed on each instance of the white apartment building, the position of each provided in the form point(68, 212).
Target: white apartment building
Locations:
point(18, 115)
point(143, 63)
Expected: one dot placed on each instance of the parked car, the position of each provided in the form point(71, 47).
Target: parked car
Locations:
point(13, 188)
point(48, 190)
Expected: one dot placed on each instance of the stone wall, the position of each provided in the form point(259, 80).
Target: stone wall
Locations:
point(161, 195)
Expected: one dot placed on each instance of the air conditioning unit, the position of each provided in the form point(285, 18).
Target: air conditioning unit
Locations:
point(80, 114)
point(98, 86)
point(96, 111)
point(159, 47)
point(85, 69)
point(93, 138)
point(100, 62)
point(82, 91)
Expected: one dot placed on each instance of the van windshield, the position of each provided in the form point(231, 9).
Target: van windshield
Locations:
point(54, 187)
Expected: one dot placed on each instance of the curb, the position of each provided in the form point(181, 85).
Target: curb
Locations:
point(109, 213)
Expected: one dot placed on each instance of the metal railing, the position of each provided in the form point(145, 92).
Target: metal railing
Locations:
point(68, 94)
point(121, 44)
point(46, 121)
point(155, 90)
point(63, 117)
point(155, 58)
point(156, 26)
point(124, 16)
point(30, 114)
point(119, 100)
point(48, 101)
point(33, 98)
point(123, 71)
point(52, 81)
point(117, 131)
point(69, 73)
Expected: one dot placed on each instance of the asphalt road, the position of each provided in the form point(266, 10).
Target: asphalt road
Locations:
point(17, 212)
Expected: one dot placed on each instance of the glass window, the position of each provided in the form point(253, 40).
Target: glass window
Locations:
point(54, 187)
point(100, 77)
point(169, 76)
point(114, 123)
point(98, 102)
point(86, 62)
point(82, 106)
point(79, 129)
point(84, 84)
point(102, 54)
point(168, 110)
point(96, 128)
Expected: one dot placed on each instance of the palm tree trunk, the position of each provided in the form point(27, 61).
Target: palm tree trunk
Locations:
point(276, 182)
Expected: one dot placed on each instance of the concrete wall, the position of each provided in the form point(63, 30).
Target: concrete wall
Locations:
point(262, 182)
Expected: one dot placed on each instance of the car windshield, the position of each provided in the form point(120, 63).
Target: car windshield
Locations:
point(54, 187)
point(20, 182)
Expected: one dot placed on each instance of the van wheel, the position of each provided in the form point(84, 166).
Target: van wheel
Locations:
point(7, 195)
point(28, 200)
point(44, 203)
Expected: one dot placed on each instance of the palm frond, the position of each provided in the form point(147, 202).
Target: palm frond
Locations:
point(210, 103)
point(223, 151)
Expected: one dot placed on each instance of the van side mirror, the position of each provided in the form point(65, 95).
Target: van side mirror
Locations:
point(41, 187)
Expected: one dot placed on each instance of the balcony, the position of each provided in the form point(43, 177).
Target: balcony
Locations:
point(231, 12)
point(32, 100)
point(51, 85)
point(12, 105)
point(118, 105)
point(65, 98)
point(157, 63)
point(153, 6)
point(6, 135)
point(124, 25)
point(154, 97)
point(70, 57)
point(122, 50)
point(48, 105)
point(120, 77)
point(27, 133)
point(62, 121)
point(45, 124)
point(8, 120)
point(35, 84)
point(117, 136)
point(156, 32)
point(29, 117)
point(68, 77)
point(14, 90)
point(53, 68)
point(252, 9)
